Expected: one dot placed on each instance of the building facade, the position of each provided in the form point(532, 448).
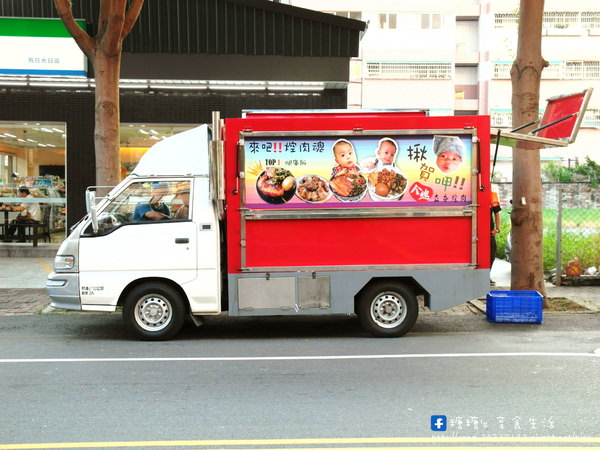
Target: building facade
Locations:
point(454, 57)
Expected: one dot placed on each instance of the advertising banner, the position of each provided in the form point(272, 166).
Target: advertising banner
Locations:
point(390, 170)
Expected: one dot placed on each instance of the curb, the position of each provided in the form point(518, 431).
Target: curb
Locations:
point(592, 308)
point(48, 310)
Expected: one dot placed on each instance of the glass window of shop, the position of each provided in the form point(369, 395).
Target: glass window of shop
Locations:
point(33, 156)
point(137, 138)
point(32, 181)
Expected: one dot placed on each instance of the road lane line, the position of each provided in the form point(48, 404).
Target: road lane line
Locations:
point(100, 445)
point(435, 443)
point(44, 265)
point(299, 358)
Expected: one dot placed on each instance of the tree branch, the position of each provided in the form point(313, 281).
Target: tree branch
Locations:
point(131, 17)
point(115, 15)
point(83, 40)
point(103, 18)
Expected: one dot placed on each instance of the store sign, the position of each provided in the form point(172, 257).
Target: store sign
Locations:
point(39, 47)
point(387, 170)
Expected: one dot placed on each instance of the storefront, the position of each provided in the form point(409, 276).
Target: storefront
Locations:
point(34, 156)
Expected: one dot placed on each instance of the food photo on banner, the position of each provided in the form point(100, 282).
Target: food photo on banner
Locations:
point(358, 171)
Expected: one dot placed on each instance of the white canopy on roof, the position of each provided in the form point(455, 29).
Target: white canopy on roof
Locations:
point(182, 154)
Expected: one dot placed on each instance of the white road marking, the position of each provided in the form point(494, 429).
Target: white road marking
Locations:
point(299, 358)
point(404, 443)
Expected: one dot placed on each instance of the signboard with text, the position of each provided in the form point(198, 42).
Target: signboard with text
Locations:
point(386, 170)
point(31, 46)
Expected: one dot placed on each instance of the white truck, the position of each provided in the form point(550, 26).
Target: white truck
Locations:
point(261, 215)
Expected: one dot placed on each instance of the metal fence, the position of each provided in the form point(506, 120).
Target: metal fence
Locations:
point(571, 218)
point(576, 234)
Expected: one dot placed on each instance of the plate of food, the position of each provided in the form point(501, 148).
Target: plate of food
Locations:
point(313, 189)
point(348, 185)
point(387, 184)
point(276, 185)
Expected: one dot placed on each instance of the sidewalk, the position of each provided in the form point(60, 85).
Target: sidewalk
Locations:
point(22, 285)
point(588, 296)
point(22, 281)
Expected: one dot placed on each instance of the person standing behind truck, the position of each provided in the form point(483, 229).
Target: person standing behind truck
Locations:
point(495, 229)
point(154, 209)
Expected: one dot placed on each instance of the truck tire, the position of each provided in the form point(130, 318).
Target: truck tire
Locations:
point(154, 311)
point(387, 309)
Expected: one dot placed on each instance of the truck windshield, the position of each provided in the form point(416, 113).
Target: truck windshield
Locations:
point(147, 202)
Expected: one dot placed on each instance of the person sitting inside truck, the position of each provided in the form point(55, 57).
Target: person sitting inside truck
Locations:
point(183, 194)
point(29, 213)
point(154, 209)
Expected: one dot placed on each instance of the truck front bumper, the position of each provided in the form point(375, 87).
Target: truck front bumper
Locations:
point(63, 290)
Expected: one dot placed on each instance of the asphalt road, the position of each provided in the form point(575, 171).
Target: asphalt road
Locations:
point(77, 378)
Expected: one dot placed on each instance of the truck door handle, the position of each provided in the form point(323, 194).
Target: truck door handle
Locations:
point(182, 241)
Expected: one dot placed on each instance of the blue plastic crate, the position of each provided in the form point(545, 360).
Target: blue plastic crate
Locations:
point(514, 306)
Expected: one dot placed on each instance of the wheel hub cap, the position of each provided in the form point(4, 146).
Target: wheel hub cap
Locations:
point(388, 309)
point(153, 313)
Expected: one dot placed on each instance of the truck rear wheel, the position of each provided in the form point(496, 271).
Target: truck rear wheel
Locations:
point(387, 309)
point(154, 311)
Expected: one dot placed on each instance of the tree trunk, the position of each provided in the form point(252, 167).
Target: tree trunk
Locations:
point(115, 22)
point(526, 218)
point(106, 133)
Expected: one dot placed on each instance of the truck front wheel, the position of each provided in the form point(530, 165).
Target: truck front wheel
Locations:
point(387, 309)
point(154, 311)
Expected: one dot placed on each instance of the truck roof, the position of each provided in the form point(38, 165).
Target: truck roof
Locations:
point(185, 153)
point(249, 113)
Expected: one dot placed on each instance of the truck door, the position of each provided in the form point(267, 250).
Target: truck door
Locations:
point(146, 231)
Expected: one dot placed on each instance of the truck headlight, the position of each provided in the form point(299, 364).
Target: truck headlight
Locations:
point(64, 263)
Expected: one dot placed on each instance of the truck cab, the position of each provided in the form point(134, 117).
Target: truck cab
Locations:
point(142, 262)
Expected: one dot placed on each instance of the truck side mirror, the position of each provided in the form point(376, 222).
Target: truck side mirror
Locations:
point(90, 200)
point(94, 217)
point(90, 204)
